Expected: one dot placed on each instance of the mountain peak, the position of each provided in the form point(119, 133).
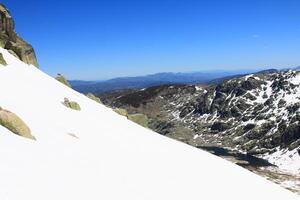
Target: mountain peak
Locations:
point(10, 40)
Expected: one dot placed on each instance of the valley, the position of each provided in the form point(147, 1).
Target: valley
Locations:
point(254, 117)
point(196, 135)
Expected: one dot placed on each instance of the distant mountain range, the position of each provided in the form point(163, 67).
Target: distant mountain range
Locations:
point(297, 68)
point(155, 80)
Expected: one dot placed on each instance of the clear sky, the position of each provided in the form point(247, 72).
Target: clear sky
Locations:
point(94, 39)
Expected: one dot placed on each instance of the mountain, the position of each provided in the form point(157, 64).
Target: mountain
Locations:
point(56, 143)
point(95, 153)
point(226, 78)
point(258, 114)
point(297, 68)
point(148, 81)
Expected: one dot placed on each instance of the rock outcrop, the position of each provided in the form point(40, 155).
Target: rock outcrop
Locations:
point(93, 97)
point(15, 124)
point(121, 111)
point(10, 40)
point(138, 118)
point(71, 104)
point(63, 80)
point(2, 60)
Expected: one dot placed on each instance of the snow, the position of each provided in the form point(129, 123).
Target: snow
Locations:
point(110, 157)
point(199, 88)
point(296, 79)
point(285, 160)
point(260, 99)
point(248, 76)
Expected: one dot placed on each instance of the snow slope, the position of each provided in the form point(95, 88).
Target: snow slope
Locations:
point(110, 157)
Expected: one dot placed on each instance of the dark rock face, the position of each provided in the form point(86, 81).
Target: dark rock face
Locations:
point(291, 134)
point(219, 126)
point(11, 41)
point(251, 84)
point(249, 127)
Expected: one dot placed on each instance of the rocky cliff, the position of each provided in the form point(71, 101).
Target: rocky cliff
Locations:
point(10, 40)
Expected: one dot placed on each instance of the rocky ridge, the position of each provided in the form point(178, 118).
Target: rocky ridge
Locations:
point(257, 114)
point(10, 40)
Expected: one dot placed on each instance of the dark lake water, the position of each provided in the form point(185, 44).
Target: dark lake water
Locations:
point(242, 159)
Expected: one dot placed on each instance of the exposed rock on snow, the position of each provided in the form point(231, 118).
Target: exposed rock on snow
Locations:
point(71, 104)
point(138, 118)
point(63, 80)
point(93, 97)
point(15, 124)
point(121, 111)
point(2, 61)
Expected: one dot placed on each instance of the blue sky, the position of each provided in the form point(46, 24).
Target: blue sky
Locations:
point(94, 39)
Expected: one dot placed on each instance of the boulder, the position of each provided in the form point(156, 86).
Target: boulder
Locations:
point(71, 104)
point(15, 124)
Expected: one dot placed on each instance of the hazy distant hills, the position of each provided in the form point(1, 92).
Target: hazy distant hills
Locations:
point(152, 80)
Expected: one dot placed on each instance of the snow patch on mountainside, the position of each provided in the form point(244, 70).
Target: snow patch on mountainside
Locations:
point(110, 157)
point(285, 159)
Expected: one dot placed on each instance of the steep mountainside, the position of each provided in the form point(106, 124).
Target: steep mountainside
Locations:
point(258, 114)
point(94, 153)
point(56, 143)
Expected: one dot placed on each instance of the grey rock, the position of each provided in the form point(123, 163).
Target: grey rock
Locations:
point(10, 40)
point(220, 126)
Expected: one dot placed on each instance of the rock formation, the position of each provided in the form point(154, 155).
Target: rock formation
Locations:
point(71, 104)
point(2, 60)
point(63, 80)
point(93, 97)
point(10, 40)
point(15, 124)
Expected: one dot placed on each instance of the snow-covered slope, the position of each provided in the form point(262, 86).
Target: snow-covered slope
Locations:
point(110, 157)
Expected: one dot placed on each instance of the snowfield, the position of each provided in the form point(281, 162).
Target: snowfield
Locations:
point(96, 154)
